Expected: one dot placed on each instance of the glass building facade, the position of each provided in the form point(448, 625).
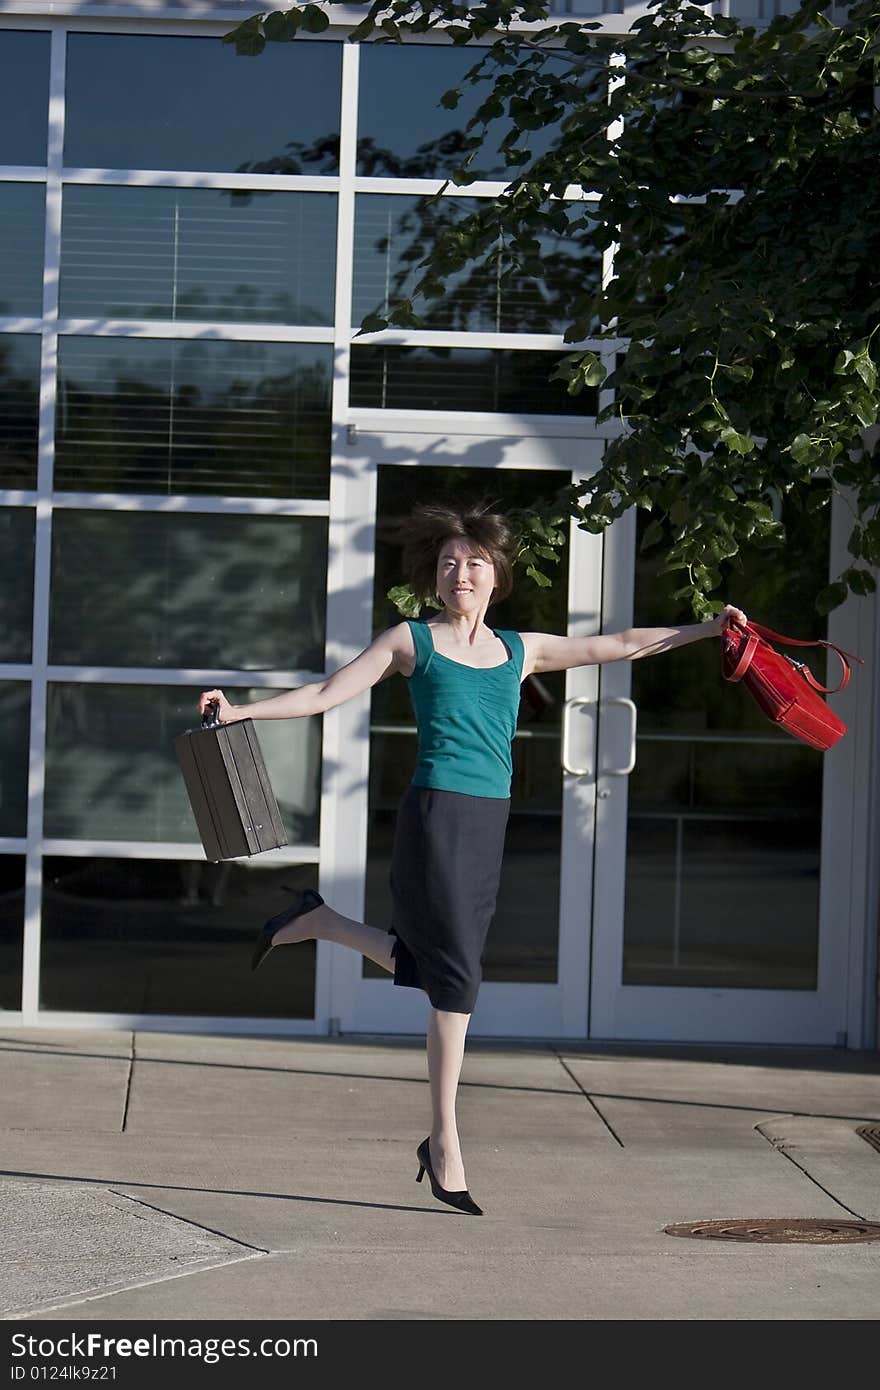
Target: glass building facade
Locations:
point(190, 241)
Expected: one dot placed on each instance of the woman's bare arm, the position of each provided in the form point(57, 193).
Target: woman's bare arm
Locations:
point(547, 652)
point(391, 651)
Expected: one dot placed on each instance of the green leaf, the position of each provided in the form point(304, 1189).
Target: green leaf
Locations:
point(373, 323)
point(540, 579)
point(315, 20)
point(803, 450)
point(861, 581)
point(832, 596)
point(866, 370)
point(405, 601)
point(450, 99)
point(736, 442)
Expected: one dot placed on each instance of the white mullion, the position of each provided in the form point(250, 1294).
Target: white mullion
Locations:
point(170, 849)
point(182, 178)
point(8, 324)
point(175, 328)
point(373, 420)
point(181, 503)
point(341, 849)
point(481, 188)
point(149, 675)
point(24, 173)
point(42, 551)
point(449, 338)
point(609, 350)
point(15, 497)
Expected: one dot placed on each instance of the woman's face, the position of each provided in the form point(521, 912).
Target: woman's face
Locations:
point(465, 578)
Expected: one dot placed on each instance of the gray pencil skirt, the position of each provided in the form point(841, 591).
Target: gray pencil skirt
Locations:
point(445, 870)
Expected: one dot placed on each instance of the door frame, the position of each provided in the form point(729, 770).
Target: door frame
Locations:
point(345, 1000)
point(840, 1012)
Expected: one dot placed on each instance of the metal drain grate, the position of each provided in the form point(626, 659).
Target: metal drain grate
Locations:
point(808, 1231)
point(871, 1133)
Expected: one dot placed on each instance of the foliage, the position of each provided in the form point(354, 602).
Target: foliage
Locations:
point(732, 171)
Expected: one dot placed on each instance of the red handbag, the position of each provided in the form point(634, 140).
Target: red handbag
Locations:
point(785, 690)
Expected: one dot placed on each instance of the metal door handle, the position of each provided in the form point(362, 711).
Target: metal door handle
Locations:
point(566, 740)
point(623, 771)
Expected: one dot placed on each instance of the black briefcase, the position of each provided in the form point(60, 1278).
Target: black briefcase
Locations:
point(229, 789)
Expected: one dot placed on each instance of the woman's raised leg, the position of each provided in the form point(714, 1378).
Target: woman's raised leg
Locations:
point(326, 924)
point(445, 1043)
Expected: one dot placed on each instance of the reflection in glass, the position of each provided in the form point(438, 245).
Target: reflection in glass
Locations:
point(510, 380)
point(150, 936)
point(24, 97)
point(16, 582)
point(413, 136)
point(197, 416)
point(12, 869)
point(725, 812)
point(218, 111)
point(15, 714)
point(393, 233)
point(198, 253)
point(522, 945)
point(19, 408)
point(22, 228)
point(111, 771)
point(243, 593)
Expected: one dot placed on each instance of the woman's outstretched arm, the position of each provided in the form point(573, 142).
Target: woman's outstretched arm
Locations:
point(392, 651)
point(546, 652)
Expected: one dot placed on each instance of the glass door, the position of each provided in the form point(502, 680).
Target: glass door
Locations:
point(536, 961)
point(715, 862)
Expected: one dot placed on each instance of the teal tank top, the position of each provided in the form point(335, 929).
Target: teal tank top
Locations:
point(465, 717)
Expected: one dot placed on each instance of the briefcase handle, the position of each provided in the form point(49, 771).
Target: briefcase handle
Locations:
point(210, 718)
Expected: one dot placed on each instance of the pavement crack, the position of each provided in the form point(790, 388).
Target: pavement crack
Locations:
point(128, 1081)
point(188, 1221)
point(779, 1146)
point(585, 1093)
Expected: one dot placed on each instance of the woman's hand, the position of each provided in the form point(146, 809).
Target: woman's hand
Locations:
point(728, 614)
point(227, 713)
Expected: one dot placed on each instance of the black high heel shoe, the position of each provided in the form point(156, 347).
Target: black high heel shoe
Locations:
point(462, 1201)
point(265, 941)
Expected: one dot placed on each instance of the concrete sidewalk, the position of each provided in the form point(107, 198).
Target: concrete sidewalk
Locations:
point(160, 1177)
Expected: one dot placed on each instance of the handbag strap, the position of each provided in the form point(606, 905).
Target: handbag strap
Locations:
point(755, 631)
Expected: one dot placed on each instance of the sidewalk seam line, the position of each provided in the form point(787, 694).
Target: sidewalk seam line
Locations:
point(128, 1081)
point(785, 1154)
point(188, 1221)
point(74, 1300)
point(611, 1130)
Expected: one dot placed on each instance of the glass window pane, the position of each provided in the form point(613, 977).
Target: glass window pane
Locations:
point(217, 111)
point(244, 593)
point(111, 771)
point(12, 868)
point(155, 416)
point(393, 233)
point(154, 936)
point(16, 582)
point(19, 409)
point(420, 378)
point(405, 133)
point(22, 228)
point(723, 849)
point(198, 253)
point(15, 714)
point(24, 97)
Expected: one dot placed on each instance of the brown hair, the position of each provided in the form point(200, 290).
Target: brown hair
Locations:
point(430, 526)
